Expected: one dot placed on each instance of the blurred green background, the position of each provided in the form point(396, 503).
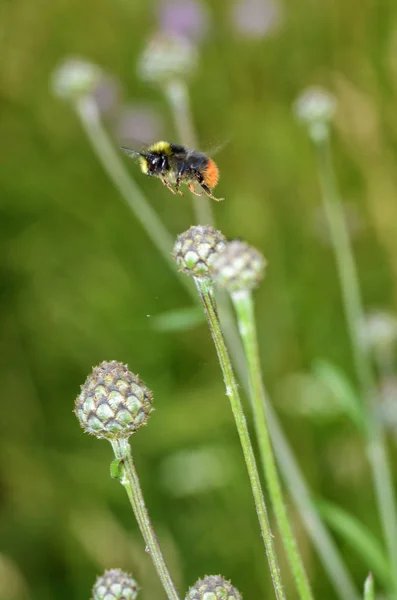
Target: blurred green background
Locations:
point(81, 282)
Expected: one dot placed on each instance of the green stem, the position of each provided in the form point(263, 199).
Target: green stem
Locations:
point(369, 588)
point(244, 307)
point(88, 114)
point(205, 290)
point(129, 479)
point(347, 273)
point(326, 548)
point(177, 94)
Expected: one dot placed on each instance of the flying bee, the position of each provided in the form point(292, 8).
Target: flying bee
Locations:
point(174, 164)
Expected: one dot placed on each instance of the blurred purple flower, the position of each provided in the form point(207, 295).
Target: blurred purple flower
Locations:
point(139, 124)
point(186, 18)
point(256, 18)
point(107, 94)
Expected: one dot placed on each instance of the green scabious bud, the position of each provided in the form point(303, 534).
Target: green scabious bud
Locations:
point(213, 587)
point(113, 402)
point(238, 267)
point(74, 78)
point(196, 249)
point(115, 585)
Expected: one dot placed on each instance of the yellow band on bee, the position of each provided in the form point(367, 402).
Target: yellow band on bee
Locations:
point(143, 165)
point(160, 147)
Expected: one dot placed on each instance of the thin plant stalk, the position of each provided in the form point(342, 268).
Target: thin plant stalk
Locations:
point(348, 279)
point(327, 550)
point(205, 289)
point(103, 147)
point(130, 480)
point(163, 241)
point(178, 97)
point(177, 94)
point(244, 307)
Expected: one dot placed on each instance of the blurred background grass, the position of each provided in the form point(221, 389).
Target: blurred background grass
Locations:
point(81, 282)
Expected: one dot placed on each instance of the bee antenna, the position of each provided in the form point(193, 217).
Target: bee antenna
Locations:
point(130, 152)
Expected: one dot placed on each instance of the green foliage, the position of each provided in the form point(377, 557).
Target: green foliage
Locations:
point(79, 278)
point(360, 538)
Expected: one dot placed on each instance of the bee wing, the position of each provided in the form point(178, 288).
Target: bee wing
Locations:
point(212, 150)
point(130, 152)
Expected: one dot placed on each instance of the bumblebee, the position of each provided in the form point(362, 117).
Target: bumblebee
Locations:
point(174, 165)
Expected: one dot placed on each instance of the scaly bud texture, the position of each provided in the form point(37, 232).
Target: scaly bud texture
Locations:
point(213, 587)
point(115, 585)
point(196, 249)
point(238, 267)
point(113, 402)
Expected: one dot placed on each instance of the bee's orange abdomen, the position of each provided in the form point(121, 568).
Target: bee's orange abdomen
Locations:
point(211, 174)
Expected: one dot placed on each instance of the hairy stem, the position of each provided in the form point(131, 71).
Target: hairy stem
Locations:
point(205, 290)
point(244, 307)
point(293, 476)
point(326, 548)
point(348, 279)
point(129, 479)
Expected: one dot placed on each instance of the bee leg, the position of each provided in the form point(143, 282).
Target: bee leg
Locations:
point(191, 188)
point(167, 185)
point(177, 184)
point(205, 187)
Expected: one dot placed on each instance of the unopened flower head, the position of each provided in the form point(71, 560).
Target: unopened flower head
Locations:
point(195, 250)
point(213, 587)
point(238, 267)
point(316, 107)
point(115, 585)
point(74, 78)
point(166, 58)
point(113, 403)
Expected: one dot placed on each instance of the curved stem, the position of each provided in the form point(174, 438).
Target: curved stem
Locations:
point(129, 479)
point(244, 306)
point(87, 112)
point(205, 290)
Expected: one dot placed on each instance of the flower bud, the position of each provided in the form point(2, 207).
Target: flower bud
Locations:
point(74, 78)
point(167, 57)
point(316, 107)
point(113, 402)
point(238, 267)
point(115, 585)
point(196, 249)
point(213, 587)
